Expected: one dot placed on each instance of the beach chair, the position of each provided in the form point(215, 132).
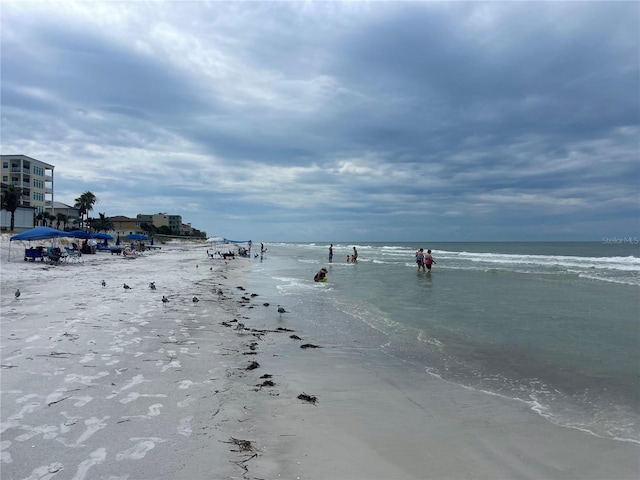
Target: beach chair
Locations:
point(54, 255)
point(72, 255)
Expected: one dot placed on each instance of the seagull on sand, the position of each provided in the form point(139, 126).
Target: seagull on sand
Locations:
point(126, 287)
point(281, 309)
point(152, 285)
point(195, 299)
point(164, 299)
point(17, 293)
point(104, 284)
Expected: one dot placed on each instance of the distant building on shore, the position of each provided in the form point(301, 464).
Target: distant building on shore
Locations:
point(34, 177)
point(173, 222)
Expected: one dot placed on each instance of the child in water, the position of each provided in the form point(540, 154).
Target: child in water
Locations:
point(321, 275)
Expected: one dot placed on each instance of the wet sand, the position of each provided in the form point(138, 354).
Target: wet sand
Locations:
point(99, 382)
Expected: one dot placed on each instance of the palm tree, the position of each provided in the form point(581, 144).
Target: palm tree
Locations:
point(40, 219)
point(148, 228)
point(10, 201)
point(103, 223)
point(61, 218)
point(47, 218)
point(84, 204)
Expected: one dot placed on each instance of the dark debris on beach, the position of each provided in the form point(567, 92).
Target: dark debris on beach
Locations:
point(308, 398)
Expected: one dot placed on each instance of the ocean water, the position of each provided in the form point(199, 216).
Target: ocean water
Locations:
point(556, 325)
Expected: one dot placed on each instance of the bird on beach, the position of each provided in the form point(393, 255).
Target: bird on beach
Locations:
point(152, 285)
point(126, 287)
point(17, 293)
point(240, 326)
point(281, 309)
point(164, 300)
point(195, 299)
point(104, 284)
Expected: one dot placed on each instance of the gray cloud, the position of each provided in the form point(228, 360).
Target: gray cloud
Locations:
point(335, 121)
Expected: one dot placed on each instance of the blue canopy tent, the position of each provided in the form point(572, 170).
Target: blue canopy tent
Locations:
point(101, 236)
point(136, 236)
point(79, 234)
point(38, 233)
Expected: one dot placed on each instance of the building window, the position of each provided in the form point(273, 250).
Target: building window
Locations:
point(5, 164)
point(5, 179)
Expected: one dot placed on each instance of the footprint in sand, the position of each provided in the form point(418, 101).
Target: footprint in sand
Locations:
point(139, 450)
point(26, 398)
point(45, 472)
point(132, 396)
point(48, 432)
point(185, 384)
point(95, 457)
point(154, 410)
point(172, 364)
point(87, 358)
point(5, 457)
point(85, 379)
point(93, 424)
point(184, 427)
point(81, 401)
point(186, 402)
point(29, 408)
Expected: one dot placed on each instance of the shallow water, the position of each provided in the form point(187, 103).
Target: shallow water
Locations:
point(552, 324)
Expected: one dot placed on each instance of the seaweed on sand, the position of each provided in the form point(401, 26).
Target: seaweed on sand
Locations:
point(308, 398)
point(253, 366)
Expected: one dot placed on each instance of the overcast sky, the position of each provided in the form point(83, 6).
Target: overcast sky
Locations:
point(335, 121)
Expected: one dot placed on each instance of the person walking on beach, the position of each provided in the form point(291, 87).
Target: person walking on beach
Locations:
point(354, 258)
point(331, 252)
point(428, 260)
point(420, 259)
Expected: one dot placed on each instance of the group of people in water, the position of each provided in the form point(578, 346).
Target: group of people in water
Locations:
point(350, 258)
point(424, 260)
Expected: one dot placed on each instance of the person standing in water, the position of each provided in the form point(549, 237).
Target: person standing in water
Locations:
point(354, 258)
point(331, 252)
point(420, 259)
point(428, 260)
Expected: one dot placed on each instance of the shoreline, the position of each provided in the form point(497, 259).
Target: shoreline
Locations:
point(119, 385)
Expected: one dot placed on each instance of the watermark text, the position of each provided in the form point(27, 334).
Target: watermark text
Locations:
point(621, 240)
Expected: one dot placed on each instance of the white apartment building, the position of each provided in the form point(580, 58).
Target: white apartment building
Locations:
point(33, 176)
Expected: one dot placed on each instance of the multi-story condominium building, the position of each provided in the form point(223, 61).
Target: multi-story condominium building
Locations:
point(174, 222)
point(33, 176)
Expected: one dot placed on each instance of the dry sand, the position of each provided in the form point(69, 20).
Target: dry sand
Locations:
point(99, 382)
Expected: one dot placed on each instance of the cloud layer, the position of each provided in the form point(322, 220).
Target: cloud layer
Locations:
point(335, 121)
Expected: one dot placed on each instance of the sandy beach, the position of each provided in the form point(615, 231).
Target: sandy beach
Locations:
point(99, 382)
